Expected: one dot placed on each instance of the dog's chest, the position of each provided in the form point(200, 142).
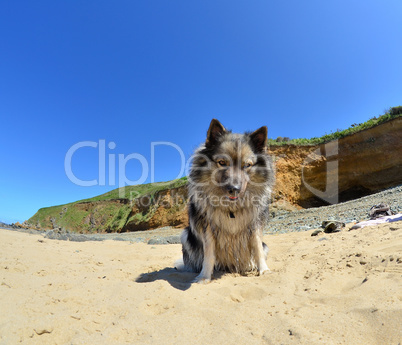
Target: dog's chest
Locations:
point(229, 222)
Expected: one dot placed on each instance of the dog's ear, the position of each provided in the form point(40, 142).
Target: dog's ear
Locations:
point(215, 130)
point(259, 139)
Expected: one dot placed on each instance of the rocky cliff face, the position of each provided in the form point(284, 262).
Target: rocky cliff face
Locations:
point(345, 169)
point(306, 176)
point(164, 208)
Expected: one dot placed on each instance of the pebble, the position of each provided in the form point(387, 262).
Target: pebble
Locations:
point(43, 330)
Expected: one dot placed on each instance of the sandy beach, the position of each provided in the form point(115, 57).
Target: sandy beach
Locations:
point(339, 288)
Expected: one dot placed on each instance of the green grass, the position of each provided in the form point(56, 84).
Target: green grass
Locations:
point(73, 219)
point(392, 113)
point(140, 217)
point(119, 219)
point(42, 217)
point(132, 192)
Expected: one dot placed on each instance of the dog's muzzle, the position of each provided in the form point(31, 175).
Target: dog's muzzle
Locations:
point(233, 191)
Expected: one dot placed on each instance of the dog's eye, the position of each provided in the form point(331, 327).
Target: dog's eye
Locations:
point(222, 163)
point(248, 165)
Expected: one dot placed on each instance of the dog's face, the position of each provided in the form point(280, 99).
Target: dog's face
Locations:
point(230, 166)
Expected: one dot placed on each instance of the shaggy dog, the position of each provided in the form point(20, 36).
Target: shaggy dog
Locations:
point(230, 184)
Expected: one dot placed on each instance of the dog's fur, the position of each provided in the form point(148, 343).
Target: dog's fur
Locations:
point(230, 185)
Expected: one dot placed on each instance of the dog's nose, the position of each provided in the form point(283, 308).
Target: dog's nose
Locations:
point(232, 189)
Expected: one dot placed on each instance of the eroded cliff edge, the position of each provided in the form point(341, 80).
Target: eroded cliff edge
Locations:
point(360, 164)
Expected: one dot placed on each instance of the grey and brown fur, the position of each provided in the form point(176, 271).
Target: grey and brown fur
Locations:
point(230, 184)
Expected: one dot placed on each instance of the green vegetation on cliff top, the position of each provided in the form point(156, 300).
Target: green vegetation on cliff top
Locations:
point(133, 192)
point(392, 113)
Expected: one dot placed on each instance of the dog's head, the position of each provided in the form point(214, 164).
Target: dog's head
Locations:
point(231, 165)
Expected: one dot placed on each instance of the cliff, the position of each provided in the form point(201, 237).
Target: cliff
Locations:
point(351, 167)
point(155, 205)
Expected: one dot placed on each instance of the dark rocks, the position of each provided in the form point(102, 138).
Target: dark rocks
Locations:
point(315, 233)
point(165, 240)
point(332, 226)
point(66, 236)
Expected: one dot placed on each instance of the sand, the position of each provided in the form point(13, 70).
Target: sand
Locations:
point(340, 288)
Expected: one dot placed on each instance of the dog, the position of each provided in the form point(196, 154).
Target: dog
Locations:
point(229, 187)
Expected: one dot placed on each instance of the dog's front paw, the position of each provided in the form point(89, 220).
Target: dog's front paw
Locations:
point(201, 279)
point(264, 271)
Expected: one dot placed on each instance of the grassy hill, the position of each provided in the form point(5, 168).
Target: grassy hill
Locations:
point(109, 211)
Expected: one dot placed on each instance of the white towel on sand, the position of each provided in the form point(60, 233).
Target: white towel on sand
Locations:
point(385, 219)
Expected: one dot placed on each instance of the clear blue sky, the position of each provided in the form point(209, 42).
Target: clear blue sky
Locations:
point(136, 72)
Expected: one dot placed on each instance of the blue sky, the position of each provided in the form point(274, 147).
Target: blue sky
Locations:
point(137, 72)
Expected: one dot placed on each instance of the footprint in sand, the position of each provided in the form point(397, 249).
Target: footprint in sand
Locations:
point(157, 307)
point(243, 294)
